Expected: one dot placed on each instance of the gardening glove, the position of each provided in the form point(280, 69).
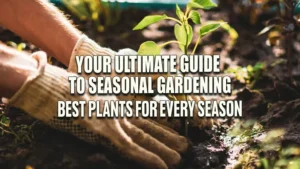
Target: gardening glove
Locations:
point(136, 139)
point(174, 123)
point(87, 47)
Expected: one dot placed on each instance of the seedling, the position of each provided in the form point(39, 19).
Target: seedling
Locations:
point(251, 9)
point(4, 124)
point(283, 26)
point(249, 74)
point(103, 14)
point(183, 31)
point(261, 148)
point(22, 133)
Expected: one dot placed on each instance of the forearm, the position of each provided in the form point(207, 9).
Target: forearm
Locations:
point(15, 67)
point(42, 24)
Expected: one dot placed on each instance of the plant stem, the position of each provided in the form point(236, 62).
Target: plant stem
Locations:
point(176, 20)
point(278, 9)
point(3, 124)
point(188, 9)
point(186, 121)
point(172, 41)
point(196, 45)
point(289, 43)
point(289, 36)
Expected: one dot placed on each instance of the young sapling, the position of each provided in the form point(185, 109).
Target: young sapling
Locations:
point(183, 31)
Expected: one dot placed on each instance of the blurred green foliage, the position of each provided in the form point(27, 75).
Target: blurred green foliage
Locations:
point(248, 74)
point(245, 131)
point(21, 133)
point(264, 149)
point(4, 123)
point(103, 14)
point(19, 47)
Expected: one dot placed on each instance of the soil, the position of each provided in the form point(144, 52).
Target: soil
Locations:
point(273, 100)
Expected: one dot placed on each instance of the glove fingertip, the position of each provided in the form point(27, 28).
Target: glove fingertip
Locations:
point(127, 51)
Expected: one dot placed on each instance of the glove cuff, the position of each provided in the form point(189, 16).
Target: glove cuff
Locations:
point(42, 90)
point(87, 47)
point(39, 97)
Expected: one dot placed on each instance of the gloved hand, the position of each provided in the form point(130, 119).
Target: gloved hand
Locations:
point(87, 47)
point(140, 140)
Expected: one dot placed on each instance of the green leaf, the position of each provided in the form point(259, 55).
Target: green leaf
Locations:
point(190, 34)
point(148, 20)
point(210, 27)
point(21, 46)
point(266, 29)
point(265, 162)
point(149, 48)
point(78, 8)
point(231, 31)
point(195, 16)
point(181, 35)
point(12, 44)
point(192, 4)
point(5, 121)
point(202, 4)
point(179, 13)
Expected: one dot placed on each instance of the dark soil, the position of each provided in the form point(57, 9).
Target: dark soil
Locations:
point(274, 102)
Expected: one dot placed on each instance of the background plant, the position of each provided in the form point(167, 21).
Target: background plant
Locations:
point(282, 26)
point(103, 14)
point(248, 74)
point(264, 149)
point(284, 20)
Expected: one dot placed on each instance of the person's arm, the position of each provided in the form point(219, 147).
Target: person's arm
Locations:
point(36, 87)
point(15, 67)
point(42, 24)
